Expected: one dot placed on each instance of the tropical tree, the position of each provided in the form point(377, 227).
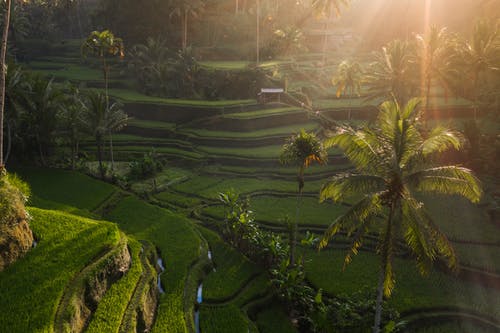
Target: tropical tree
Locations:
point(348, 79)
point(3, 72)
point(301, 150)
point(17, 90)
point(101, 120)
point(393, 163)
point(42, 105)
point(325, 9)
point(184, 9)
point(394, 73)
point(103, 44)
point(71, 121)
point(436, 52)
point(480, 57)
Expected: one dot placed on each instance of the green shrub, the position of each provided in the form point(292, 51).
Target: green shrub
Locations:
point(13, 195)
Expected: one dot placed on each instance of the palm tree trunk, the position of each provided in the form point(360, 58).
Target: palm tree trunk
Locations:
point(236, 7)
point(427, 104)
point(99, 156)
point(111, 151)
point(184, 29)
point(3, 72)
point(257, 23)
point(383, 267)
point(297, 216)
point(378, 304)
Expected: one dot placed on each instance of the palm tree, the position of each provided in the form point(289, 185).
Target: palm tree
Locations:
point(393, 162)
point(325, 8)
point(348, 80)
point(71, 121)
point(393, 74)
point(301, 150)
point(184, 9)
point(17, 88)
point(101, 120)
point(3, 69)
point(44, 101)
point(480, 55)
point(435, 55)
point(103, 44)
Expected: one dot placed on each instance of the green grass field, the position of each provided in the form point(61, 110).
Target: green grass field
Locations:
point(412, 291)
point(32, 287)
point(65, 187)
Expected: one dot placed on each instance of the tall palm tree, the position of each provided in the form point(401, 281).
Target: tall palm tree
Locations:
point(184, 9)
point(393, 163)
point(301, 150)
point(3, 69)
point(348, 80)
point(435, 55)
point(102, 120)
point(325, 9)
point(71, 121)
point(480, 56)
point(394, 73)
point(44, 101)
point(103, 44)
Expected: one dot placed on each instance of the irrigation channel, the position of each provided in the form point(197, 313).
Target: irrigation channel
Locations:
point(159, 262)
point(199, 300)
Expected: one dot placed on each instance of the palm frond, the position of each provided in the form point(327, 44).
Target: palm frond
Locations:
point(447, 180)
point(441, 139)
point(425, 238)
point(358, 146)
point(347, 185)
point(366, 208)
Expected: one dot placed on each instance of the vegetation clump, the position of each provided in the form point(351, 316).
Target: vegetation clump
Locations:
point(16, 237)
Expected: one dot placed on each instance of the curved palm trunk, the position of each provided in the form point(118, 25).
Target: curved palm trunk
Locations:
point(3, 72)
point(257, 46)
point(111, 151)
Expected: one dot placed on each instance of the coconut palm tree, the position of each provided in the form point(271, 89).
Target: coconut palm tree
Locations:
point(480, 56)
point(44, 101)
point(348, 79)
point(103, 44)
point(393, 162)
point(184, 9)
point(3, 69)
point(301, 150)
point(394, 73)
point(17, 89)
point(102, 120)
point(436, 53)
point(325, 9)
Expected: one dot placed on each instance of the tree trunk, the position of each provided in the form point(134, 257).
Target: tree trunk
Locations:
point(236, 7)
point(184, 30)
point(297, 216)
point(385, 253)
point(111, 151)
point(378, 306)
point(9, 142)
point(3, 73)
point(99, 156)
point(257, 47)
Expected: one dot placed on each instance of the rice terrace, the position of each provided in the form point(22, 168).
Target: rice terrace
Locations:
point(237, 166)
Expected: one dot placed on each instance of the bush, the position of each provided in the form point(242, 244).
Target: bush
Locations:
point(147, 166)
point(13, 195)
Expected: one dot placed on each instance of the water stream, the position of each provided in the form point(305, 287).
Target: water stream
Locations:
point(199, 300)
point(159, 262)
